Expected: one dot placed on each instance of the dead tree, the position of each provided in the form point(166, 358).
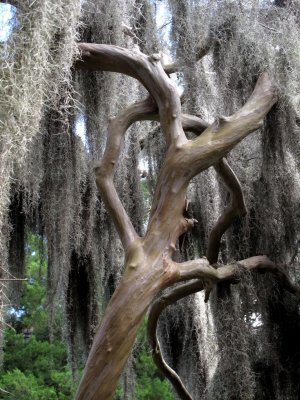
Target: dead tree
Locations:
point(149, 267)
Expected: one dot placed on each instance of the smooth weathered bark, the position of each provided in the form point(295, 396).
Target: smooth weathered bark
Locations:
point(148, 261)
point(207, 276)
point(236, 208)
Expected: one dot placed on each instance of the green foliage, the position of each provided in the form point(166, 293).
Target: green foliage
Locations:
point(33, 313)
point(63, 384)
point(35, 356)
point(119, 393)
point(16, 385)
point(35, 368)
point(149, 383)
point(34, 298)
point(38, 364)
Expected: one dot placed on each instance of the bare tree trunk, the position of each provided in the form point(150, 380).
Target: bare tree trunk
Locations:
point(149, 267)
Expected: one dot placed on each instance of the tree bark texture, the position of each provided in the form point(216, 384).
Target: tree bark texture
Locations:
point(149, 267)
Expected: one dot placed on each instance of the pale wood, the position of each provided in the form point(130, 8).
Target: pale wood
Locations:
point(148, 264)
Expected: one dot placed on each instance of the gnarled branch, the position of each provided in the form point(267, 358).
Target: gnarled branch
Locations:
point(106, 168)
point(156, 310)
point(149, 71)
point(200, 269)
point(148, 266)
point(226, 132)
point(235, 208)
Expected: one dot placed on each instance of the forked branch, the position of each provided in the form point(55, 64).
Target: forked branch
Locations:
point(235, 208)
point(105, 169)
point(226, 132)
point(205, 275)
point(148, 266)
point(200, 269)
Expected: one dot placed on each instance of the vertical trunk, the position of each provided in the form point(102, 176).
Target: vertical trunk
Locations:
point(145, 275)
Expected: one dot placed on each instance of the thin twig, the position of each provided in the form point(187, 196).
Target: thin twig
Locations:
point(12, 279)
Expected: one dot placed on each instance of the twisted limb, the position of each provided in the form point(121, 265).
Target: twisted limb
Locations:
point(235, 208)
point(149, 268)
point(204, 273)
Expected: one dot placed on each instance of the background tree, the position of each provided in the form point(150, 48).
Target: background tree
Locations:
point(34, 367)
point(50, 168)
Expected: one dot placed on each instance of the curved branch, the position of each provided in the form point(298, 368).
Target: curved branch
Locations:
point(226, 132)
point(106, 168)
point(200, 269)
point(149, 71)
point(193, 123)
point(207, 275)
point(156, 310)
point(189, 122)
point(235, 208)
point(184, 159)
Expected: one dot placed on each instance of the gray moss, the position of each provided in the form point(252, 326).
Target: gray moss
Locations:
point(248, 329)
point(254, 356)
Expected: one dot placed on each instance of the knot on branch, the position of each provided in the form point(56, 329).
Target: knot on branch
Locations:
point(155, 57)
point(97, 167)
point(219, 122)
point(169, 269)
point(191, 222)
point(186, 224)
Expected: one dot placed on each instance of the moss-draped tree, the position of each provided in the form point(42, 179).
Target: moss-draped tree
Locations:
point(61, 200)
